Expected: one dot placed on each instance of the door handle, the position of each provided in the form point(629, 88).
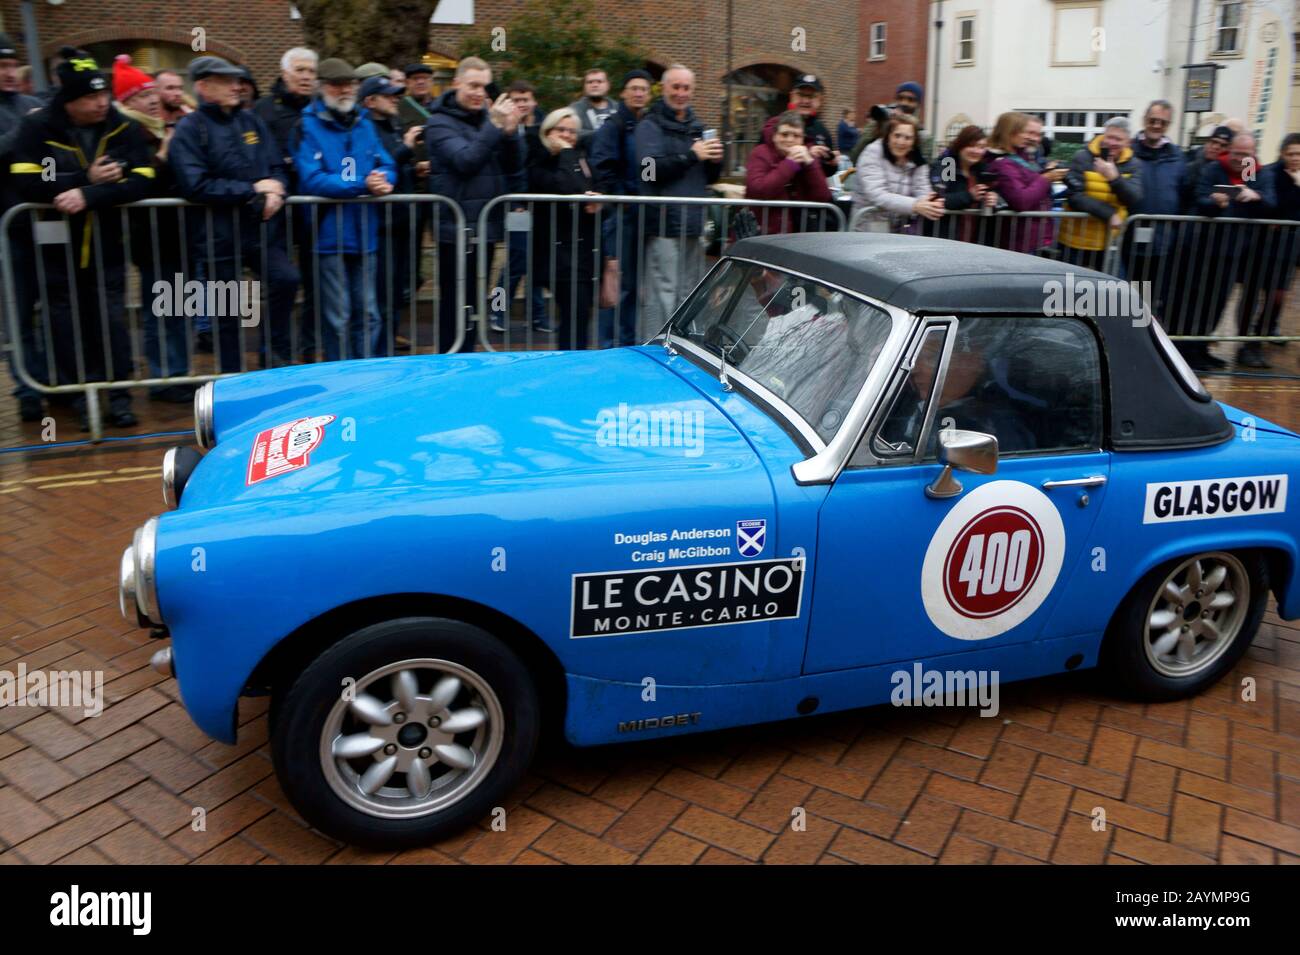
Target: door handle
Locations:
point(1096, 480)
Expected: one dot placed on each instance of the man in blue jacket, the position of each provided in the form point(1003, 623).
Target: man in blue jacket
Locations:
point(1150, 249)
point(473, 154)
point(614, 166)
point(675, 160)
point(224, 157)
point(340, 156)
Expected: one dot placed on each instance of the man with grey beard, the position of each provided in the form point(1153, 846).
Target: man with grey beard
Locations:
point(340, 156)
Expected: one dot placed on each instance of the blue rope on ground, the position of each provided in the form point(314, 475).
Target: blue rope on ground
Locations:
point(73, 444)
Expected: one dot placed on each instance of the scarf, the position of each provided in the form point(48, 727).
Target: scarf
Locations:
point(155, 126)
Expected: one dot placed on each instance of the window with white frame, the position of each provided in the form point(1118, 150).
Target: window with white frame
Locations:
point(1073, 126)
point(965, 53)
point(877, 41)
point(1228, 28)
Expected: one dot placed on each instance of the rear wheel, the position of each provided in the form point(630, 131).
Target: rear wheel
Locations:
point(1186, 623)
point(405, 731)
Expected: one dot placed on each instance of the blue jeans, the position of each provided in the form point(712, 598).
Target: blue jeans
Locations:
point(165, 338)
point(518, 267)
point(33, 343)
point(349, 306)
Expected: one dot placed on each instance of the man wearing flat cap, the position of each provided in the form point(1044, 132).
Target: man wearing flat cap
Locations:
point(224, 157)
point(340, 156)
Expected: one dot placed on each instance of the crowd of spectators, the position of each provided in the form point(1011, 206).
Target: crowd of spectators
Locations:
point(102, 139)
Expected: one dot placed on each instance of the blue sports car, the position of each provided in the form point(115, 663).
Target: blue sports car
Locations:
point(846, 456)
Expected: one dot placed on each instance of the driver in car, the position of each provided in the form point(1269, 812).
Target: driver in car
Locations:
point(972, 400)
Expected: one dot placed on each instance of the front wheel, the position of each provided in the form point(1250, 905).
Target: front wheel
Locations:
point(1185, 624)
point(405, 731)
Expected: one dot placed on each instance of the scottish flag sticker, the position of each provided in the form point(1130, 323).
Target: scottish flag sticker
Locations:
point(751, 537)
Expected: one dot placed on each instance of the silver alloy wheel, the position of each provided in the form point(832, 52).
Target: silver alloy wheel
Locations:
point(413, 738)
point(1196, 614)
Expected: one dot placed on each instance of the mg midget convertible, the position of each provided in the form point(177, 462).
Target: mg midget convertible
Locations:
point(845, 455)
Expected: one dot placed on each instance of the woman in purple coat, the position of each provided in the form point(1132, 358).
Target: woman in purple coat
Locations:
point(1023, 182)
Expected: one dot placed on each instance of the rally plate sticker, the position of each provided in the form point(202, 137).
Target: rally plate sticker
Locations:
point(286, 447)
point(617, 602)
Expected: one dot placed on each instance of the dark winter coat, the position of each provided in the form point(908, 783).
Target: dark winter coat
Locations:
point(471, 162)
point(675, 171)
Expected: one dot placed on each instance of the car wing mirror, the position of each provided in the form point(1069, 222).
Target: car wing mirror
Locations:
point(972, 451)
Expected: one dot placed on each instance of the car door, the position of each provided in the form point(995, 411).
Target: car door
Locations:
point(902, 574)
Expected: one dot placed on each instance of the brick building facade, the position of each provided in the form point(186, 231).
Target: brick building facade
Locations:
point(893, 36)
point(772, 42)
point(159, 33)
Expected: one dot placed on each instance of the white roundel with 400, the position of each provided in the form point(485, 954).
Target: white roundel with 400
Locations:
point(992, 561)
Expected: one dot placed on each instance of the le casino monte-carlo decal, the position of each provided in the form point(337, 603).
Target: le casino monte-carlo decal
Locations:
point(649, 600)
point(992, 560)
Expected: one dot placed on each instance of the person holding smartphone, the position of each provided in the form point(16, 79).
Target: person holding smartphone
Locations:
point(1104, 181)
point(1233, 186)
point(962, 178)
point(675, 160)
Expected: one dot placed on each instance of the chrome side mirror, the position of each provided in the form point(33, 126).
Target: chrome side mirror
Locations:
point(971, 451)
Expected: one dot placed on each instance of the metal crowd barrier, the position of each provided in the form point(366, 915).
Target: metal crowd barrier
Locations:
point(1191, 263)
point(1171, 252)
point(93, 335)
point(637, 232)
point(122, 305)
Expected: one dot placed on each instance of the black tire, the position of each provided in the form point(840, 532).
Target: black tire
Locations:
point(1124, 656)
point(303, 708)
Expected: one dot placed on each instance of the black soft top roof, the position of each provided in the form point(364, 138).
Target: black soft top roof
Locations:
point(1149, 408)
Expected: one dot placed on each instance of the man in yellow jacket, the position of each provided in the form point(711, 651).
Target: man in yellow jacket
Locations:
point(1104, 181)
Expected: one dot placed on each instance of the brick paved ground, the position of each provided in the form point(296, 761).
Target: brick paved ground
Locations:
point(1204, 780)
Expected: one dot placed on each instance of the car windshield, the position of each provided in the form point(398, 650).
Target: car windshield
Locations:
point(810, 345)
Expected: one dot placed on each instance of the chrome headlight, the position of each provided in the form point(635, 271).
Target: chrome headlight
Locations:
point(137, 584)
point(204, 433)
point(126, 588)
point(178, 465)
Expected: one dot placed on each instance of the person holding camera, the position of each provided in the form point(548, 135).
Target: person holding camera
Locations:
point(892, 185)
point(83, 156)
point(1105, 181)
point(783, 167)
point(907, 102)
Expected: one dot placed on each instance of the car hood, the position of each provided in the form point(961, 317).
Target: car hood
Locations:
point(449, 420)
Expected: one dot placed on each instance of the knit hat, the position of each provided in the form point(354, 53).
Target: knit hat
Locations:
point(912, 87)
point(79, 75)
point(127, 80)
point(631, 75)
